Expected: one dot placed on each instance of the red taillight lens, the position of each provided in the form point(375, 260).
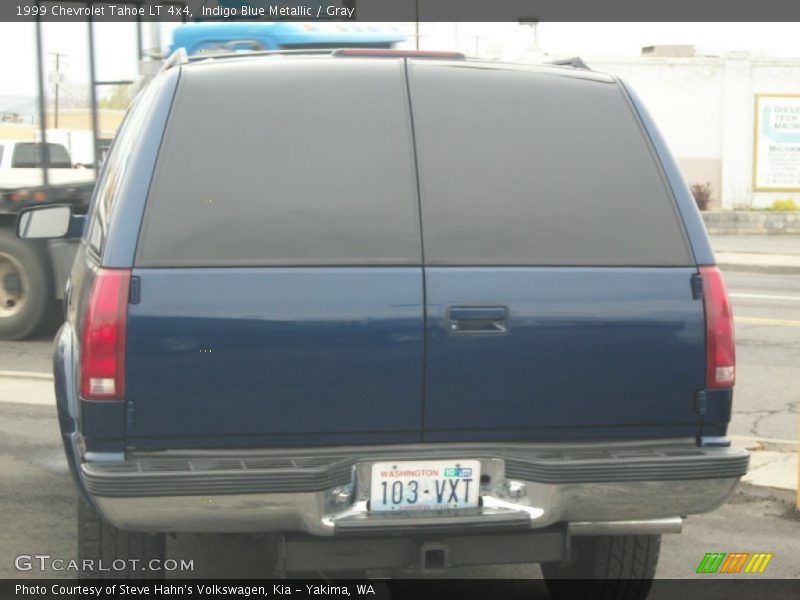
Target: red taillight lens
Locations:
point(103, 341)
point(720, 347)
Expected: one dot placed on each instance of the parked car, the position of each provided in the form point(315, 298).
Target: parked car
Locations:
point(403, 310)
point(33, 273)
point(21, 165)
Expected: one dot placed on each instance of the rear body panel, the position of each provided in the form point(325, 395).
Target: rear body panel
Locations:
point(588, 353)
point(289, 353)
point(271, 357)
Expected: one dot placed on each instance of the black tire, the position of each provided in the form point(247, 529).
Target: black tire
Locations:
point(618, 567)
point(101, 542)
point(39, 305)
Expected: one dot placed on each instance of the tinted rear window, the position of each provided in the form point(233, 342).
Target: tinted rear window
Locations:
point(523, 168)
point(28, 155)
point(298, 161)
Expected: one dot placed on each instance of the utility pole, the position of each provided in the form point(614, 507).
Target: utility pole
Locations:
point(42, 107)
point(535, 52)
point(416, 23)
point(57, 83)
point(154, 34)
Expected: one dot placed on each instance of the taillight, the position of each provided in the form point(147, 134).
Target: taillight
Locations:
point(720, 347)
point(103, 340)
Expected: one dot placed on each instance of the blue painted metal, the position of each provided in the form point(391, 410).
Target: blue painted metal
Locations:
point(588, 351)
point(256, 357)
point(67, 403)
point(196, 37)
point(134, 181)
point(321, 356)
point(719, 410)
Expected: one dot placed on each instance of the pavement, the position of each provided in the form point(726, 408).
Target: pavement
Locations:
point(27, 387)
point(765, 253)
point(773, 463)
point(786, 244)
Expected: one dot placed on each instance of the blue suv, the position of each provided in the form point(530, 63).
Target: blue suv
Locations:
point(402, 310)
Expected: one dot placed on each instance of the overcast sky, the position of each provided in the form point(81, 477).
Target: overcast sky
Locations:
point(116, 43)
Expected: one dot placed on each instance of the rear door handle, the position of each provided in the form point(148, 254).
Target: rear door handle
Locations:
point(477, 320)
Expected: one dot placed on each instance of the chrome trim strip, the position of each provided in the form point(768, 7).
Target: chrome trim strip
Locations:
point(315, 512)
point(106, 457)
point(252, 472)
point(647, 527)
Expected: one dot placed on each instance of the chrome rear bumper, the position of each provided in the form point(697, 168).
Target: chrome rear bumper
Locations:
point(636, 487)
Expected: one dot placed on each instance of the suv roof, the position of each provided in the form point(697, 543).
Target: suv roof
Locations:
point(453, 59)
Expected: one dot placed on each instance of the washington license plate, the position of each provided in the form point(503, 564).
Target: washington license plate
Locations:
point(425, 485)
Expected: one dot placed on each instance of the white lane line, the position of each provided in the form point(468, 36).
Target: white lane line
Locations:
point(762, 321)
point(17, 387)
point(26, 375)
point(764, 296)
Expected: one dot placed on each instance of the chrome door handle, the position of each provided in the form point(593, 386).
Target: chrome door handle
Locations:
point(477, 319)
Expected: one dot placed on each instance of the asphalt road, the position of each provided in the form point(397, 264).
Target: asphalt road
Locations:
point(38, 506)
point(767, 312)
point(766, 309)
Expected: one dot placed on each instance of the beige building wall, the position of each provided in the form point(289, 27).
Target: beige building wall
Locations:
point(700, 171)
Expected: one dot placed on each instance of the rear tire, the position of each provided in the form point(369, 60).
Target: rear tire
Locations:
point(26, 292)
point(102, 543)
point(618, 567)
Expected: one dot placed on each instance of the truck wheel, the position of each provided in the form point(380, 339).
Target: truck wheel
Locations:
point(116, 554)
point(614, 567)
point(26, 295)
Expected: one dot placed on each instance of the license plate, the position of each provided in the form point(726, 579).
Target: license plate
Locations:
point(425, 485)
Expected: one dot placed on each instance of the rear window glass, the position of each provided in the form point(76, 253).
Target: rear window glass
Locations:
point(28, 155)
point(520, 168)
point(285, 162)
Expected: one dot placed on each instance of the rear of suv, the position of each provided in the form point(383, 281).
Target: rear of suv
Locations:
point(402, 311)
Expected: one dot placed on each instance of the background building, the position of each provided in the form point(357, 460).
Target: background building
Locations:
point(706, 108)
point(702, 91)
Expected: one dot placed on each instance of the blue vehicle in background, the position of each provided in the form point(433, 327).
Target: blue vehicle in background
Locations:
point(247, 36)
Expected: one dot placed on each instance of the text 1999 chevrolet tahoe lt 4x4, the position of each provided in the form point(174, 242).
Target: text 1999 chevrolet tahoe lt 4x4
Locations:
point(401, 310)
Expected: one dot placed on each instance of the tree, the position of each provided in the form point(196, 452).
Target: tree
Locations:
point(119, 97)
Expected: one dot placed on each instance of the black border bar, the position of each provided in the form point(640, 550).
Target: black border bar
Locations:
point(424, 10)
point(710, 587)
